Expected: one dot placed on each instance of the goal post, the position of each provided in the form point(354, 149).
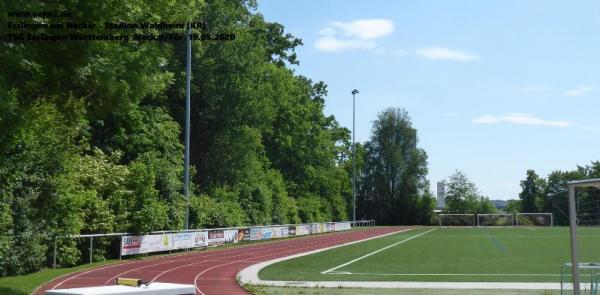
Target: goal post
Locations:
point(500, 219)
point(450, 219)
point(534, 219)
point(582, 214)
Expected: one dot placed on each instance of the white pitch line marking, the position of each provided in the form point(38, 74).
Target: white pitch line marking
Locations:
point(377, 251)
point(444, 274)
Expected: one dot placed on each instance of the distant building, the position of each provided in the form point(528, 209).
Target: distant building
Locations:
point(441, 195)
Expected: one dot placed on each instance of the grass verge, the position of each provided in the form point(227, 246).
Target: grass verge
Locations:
point(26, 284)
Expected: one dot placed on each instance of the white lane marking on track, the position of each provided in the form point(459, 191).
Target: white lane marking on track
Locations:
point(377, 251)
point(157, 264)
point(243, 253)
point(282, 246)
point(122, 264)
point(162, 260)
point(85, 272)
point(240, 253)
point(216, 254)
point(271, 254)
point(239, 261)
point(248, 249)
point(166, 259)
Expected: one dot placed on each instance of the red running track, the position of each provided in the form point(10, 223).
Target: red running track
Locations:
point(212, 272)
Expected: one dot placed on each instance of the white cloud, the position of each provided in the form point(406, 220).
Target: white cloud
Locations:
point(357, 34)
point(578, 91)
point(365, 29)
point(441, 53)
point(521, 119)
point(487, 119)
point(327, 32)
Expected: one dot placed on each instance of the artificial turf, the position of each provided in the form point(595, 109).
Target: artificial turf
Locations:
point(363, 291)
point(447, 254)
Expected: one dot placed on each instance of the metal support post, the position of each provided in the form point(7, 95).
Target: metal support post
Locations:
point(186, 169)
point(121, 247)
point(574, 253)
point(54, 258)
point(354, 92)
point(91, 249)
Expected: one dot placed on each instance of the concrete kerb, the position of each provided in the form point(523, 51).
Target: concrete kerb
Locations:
point(249, 276)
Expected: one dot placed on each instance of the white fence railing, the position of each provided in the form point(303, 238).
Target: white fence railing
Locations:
point(169, 240)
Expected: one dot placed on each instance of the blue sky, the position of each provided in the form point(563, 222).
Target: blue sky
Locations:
point(493, 87)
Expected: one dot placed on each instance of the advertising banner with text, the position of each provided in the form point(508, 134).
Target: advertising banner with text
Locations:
point(145, 244)
point(182, 240)
point(231, 236)
point(138, 244)
point(216, 237)
point(302, 229)
point(266, 233)
point(200, 239)
point(255, 233)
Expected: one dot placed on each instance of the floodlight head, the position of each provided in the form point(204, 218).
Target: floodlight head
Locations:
point(354, 91)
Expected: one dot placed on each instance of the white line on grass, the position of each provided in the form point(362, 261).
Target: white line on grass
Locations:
point(376, 251)
point(445, 274)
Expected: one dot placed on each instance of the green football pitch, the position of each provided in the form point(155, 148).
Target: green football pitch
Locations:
point(445, 254)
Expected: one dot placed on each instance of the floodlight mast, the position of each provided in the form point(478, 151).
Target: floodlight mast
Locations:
point(188, 73)
point(354, 92)
point(573, 228)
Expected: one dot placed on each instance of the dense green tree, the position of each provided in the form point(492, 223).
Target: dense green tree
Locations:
point(258, 127)
point(93, 143)
point(556, 194)
point(463, 196)
point(76, 118)
point(531, 194)
point(486, 206)
point(393, 179)
point(513, 206)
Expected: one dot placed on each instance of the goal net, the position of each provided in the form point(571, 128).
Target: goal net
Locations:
point(534, 219)
point(495, 220)
point(456, 220)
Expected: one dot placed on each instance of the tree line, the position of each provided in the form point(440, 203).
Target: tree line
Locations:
point(92, 132)
point(91, 136)
point(550, 194)
point(463, 196)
